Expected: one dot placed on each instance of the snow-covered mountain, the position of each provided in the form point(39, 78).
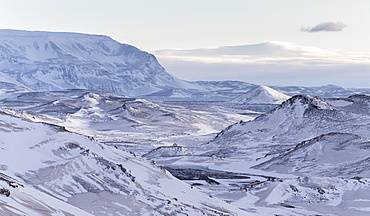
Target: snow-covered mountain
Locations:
point(261, 95)
point(303, 117)
point(78, 172)
point(55, 61)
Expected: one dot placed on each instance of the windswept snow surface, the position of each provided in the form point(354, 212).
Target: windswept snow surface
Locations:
point(98, 179)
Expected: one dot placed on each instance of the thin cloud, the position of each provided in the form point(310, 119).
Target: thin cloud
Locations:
point(325, 26)
point(278, 63)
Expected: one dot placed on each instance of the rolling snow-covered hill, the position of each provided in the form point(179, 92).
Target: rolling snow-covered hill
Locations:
point(261, 95)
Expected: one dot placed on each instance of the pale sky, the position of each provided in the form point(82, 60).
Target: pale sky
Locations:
point(161, 24)
point(191, 24)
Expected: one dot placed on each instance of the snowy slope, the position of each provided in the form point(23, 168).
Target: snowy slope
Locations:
point(98, 179)
point(333, 155)
point(54, 61)
point(9, 84)
point(261, 95)
point(25, 200)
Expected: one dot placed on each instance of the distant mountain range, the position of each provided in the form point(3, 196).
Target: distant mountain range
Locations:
point(48, 61)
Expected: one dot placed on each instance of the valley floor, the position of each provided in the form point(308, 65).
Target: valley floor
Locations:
point(248, 165)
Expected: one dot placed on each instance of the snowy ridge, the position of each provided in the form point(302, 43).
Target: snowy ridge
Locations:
point(261, 95)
